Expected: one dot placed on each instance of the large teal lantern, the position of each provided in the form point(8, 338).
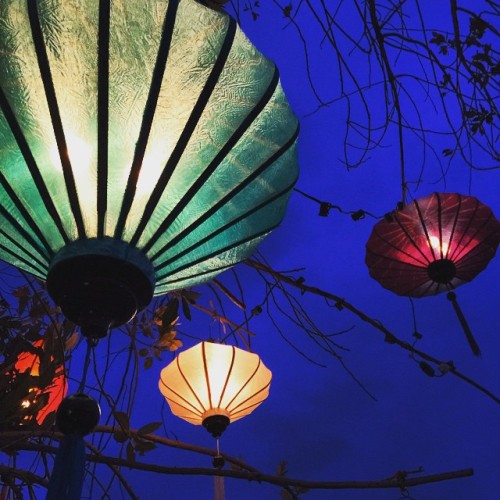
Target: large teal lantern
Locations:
point(145, 146)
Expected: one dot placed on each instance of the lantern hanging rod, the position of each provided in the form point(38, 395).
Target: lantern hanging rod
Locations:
point(452, 297)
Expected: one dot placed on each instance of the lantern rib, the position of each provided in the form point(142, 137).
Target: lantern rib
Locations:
point(187, 406)
point(245, 409)
point(440, 227)
point(184, 138)
point(102, 114)
point(21, 231)
point(243, 386)
point(426, 232)
point(50, 94)
point(207, 376)
point(223, 201)
point(238, 409)
point(45, 250)
point(480, 249)
point(177, 361)
point(178, 281)
point(221, 229)
point(149, 112)
point(389, 243)
point(209, 256)
point(31, 164)
point(420, 265)
point(17, 257)
point(461, 245)
point(233, 357)
point(451, 243)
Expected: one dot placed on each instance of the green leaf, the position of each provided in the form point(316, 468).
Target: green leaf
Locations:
point(148, 362)
point(149, 428)
point(143, 352)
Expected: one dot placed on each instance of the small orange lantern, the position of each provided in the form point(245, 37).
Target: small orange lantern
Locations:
point(28, 361)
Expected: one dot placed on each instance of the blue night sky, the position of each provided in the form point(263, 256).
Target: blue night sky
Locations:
point(318, 419)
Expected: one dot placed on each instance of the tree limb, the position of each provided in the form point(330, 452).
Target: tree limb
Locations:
point(389, 336)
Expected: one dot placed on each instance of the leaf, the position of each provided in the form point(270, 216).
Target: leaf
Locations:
point(148, 362)
point(477, 26)
point(130, 452)
point(191, 296)
point(149, 428)
point(23, 295)
point(437, 38)
point(143, 352)
point(256, 310)
point(171, 313)
point(186, 309)
point(427, 368)
point(123, 420)
point(282, 468)
point(169, 341)
point(143, 446)
point(120, 436)
point(71, 342)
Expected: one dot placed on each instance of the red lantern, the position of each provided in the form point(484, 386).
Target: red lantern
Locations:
point(56, 390)
point(432, 245)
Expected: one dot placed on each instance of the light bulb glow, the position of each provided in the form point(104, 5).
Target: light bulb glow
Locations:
point(441, 248)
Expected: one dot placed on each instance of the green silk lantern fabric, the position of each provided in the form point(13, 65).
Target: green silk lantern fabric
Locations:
point(151, 125)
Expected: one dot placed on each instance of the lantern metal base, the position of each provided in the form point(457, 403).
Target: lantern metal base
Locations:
point(442, 271)
point(216, 424)
point(98, 292)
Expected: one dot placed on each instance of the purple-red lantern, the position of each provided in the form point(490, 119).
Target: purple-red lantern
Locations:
point(434, 244)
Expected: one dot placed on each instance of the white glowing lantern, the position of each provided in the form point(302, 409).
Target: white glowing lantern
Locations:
point(214, 384)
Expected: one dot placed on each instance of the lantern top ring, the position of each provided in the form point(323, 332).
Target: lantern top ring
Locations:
point(100, 283)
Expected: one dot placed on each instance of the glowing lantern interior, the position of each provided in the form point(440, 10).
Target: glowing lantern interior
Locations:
point(28, 361)
point(214, 379)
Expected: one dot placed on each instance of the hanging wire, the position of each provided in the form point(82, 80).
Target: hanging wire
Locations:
point(326, 206)
point(218, 463)
point(91, 343)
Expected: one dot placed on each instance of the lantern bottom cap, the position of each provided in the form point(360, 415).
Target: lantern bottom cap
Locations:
point(216, 424)
point(98, 292)
point(442, 271)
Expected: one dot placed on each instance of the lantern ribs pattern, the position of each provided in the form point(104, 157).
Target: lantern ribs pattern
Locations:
point(210, 380)
point(150, 127)
point(434, 244)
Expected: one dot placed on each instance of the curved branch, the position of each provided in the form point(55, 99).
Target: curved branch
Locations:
point(24, 475)
point(389, 336)
point(399, 480)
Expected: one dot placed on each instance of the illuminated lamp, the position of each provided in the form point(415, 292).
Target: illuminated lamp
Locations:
point(145, 146)
point(432, 245)
point(214, 385)
point(56, 391)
